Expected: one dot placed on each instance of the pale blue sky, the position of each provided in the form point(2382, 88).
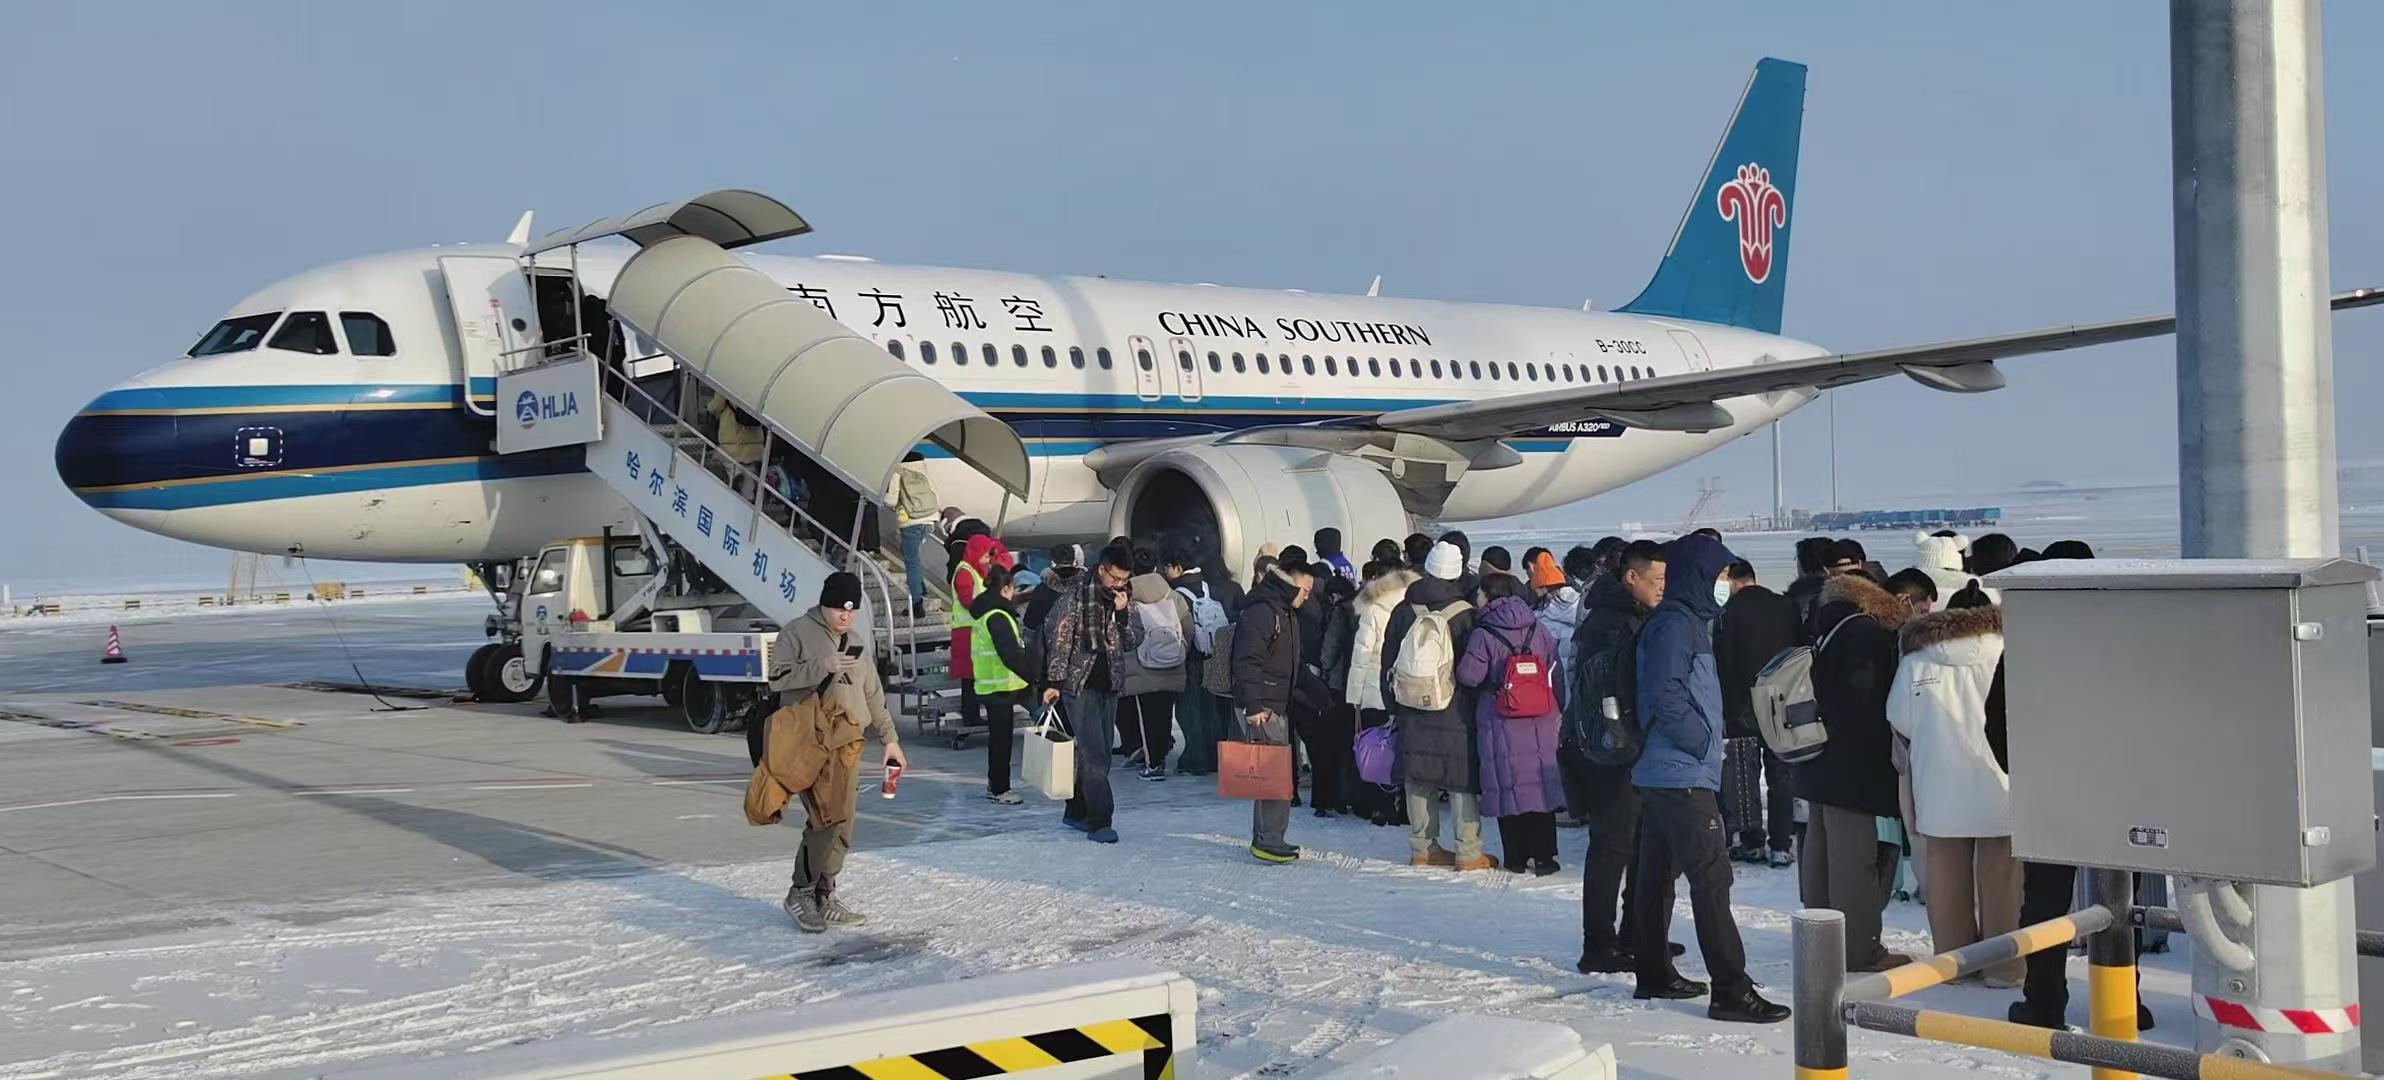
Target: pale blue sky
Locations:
point(1966, 169)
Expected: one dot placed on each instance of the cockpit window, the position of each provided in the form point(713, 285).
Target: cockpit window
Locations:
point(306, 332)
point(234, 335)
point(369, 336)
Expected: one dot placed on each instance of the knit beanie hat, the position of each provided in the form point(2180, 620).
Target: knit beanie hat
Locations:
point(1545, 573)
point(1445, 562)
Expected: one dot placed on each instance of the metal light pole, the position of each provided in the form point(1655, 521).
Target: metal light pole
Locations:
point(2256, 428)
point(1833, 452)
point(1779, 482)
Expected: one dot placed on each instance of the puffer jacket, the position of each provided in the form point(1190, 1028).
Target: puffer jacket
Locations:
point(1856, 769)
point(1266, 648)
point(1138, 679)
point(1435, 748)
point(1680, 689)
point(1519, 772)
point(1376, 601)
point(1939, 702)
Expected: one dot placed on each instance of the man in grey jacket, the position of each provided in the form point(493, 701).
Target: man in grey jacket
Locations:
point(814, 655)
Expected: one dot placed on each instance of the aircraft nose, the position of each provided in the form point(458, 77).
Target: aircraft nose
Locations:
point(115, 454)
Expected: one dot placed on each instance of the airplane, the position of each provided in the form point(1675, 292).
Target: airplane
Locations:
point(347, 412)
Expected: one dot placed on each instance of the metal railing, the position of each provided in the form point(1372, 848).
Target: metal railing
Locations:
point(747, 482)
point(1827, 1002)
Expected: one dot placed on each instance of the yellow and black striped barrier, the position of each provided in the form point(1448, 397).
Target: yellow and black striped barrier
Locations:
point(1150, 1036)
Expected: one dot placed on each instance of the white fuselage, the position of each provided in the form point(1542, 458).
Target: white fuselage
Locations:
point(386, 457)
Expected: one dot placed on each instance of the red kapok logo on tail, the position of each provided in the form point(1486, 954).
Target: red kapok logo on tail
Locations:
point(1758, 208)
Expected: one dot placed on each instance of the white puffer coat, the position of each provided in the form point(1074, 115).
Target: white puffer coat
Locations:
point(1939, 702)
point(1375, 603)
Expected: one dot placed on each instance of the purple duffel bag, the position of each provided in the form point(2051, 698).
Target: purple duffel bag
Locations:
point(1377, 750)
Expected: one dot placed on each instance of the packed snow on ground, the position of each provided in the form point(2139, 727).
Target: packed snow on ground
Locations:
point(1297, 966)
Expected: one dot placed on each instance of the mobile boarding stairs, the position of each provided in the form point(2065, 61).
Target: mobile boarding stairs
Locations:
point(705, 325)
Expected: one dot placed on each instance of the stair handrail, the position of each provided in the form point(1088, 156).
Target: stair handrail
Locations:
point(616, 374)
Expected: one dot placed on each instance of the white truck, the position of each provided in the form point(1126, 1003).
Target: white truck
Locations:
point(599, 616)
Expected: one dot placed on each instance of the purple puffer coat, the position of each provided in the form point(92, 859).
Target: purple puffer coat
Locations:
point(1519, 774)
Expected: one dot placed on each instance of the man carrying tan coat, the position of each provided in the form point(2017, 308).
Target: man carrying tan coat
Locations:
point(813, 746)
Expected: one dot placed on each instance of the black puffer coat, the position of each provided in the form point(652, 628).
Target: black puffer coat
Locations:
point(1435, 748)
point(1851, 678)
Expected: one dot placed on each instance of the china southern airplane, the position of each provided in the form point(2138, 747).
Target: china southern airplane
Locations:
point(348, 412)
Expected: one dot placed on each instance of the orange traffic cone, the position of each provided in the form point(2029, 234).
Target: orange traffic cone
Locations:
point(115, 653)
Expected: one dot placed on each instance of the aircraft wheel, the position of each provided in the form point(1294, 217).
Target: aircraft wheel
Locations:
point(705, 705)
point(474, 674)
point(506, 677)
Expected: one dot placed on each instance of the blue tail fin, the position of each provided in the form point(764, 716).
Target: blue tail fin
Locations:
point(1729, 259)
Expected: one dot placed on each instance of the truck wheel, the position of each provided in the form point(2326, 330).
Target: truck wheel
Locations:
point(506, 677)
point(475, 677)
point(705, 705)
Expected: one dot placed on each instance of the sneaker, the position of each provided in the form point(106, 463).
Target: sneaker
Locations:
point(804, 908)
point(1746, 1008)
point(834, 911)
point(1544, 867)
point(1438, 856)
point(1780, 859)
point(1102, 836)
point(1675, 989)
point(1276, 855)
point(1073, 824)
point(1006, 798)
point(1155, 772)
point(1746, 854)
point(1478, 862)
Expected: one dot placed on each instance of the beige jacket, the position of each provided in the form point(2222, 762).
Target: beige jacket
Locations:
point(799, 664)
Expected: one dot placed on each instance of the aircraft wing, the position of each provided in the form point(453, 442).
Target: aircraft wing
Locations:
point(1687, 402)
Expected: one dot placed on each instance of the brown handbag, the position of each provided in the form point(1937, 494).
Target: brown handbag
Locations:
point(1248, 770)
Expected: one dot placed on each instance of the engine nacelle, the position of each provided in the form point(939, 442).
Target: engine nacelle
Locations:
point(1225, 502)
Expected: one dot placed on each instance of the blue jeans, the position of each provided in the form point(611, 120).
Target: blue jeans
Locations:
point(1092, 719)
point(914, 537)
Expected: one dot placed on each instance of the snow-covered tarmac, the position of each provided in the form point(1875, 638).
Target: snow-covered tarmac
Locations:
point(322, 886)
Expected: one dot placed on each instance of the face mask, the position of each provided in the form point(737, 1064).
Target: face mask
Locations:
point(1722, 592)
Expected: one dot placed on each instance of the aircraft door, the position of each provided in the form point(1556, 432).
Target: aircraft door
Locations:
point(493, 314)
point(1692, 350)
point(1187, 368)
point(1146, 367)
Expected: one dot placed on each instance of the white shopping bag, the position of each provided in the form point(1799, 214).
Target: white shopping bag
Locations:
point(1050, 765)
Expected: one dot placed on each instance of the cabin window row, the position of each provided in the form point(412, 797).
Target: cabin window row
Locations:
point(959, 355)
point(990, 356)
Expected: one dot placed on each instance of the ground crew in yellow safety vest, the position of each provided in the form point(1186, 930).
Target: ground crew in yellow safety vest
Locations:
point(998, 652)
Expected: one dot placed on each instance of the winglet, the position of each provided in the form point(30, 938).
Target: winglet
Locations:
point(1376, 288)
point(521, 229)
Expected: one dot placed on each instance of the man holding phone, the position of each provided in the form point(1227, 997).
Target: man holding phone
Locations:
point(815, 655)
point(1085, 662)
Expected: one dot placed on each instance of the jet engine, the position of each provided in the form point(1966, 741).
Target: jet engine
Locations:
point(1225, 502)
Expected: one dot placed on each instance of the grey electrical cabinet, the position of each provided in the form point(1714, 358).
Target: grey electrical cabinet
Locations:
point(2200, 717)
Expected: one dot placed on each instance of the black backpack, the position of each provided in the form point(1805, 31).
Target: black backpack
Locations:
point(1613, 741)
